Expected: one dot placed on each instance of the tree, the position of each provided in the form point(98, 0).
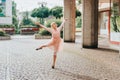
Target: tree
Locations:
point(14, 8)
point(14, 16)
point(115, 17)
point(26, 20)
point(57, 11)
point(79, 1)
point(34, 12)
point(15, 21)
point(1, 10)
point(78, 13)
point(78, 19)
point(41, 12)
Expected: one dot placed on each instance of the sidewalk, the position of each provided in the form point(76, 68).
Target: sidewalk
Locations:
point(103, 42)
point(20, 61)
point(108, 59)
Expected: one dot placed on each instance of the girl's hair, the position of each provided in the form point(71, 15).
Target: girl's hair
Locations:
point(53, 24)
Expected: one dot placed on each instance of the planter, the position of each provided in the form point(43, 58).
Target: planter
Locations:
point(10, 31)
point(5, 38)
point(37, 36)
point(28, 31)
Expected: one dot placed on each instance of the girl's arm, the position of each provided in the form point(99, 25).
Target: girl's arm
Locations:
point(61, 26)
point(40, 25)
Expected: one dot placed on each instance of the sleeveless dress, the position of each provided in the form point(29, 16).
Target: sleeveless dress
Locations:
point(56, 41)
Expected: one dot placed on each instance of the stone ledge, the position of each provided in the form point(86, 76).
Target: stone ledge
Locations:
point(41, 37)
point(5, 37)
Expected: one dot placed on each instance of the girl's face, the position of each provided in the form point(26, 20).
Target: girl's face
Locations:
point(54, 25)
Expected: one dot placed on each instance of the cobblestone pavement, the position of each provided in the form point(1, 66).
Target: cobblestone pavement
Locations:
point(20, 61)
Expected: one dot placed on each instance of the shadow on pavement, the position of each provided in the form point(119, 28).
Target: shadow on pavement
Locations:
point(76, 76)
point(107, 50)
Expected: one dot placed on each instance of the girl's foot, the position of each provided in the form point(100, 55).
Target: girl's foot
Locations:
point(38, 48)
point(53, 67)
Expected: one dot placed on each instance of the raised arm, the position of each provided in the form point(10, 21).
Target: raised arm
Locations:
point(61, 26)
point(40, 25)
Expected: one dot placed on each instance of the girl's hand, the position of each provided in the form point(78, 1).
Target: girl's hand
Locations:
point(37, 23)
point(65, 19)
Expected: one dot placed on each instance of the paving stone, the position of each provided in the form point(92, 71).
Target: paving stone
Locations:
point(74, 63)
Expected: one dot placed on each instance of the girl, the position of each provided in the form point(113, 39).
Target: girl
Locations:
point(56, 40)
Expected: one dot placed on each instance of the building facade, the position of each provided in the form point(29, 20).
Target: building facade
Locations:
point(5, 12)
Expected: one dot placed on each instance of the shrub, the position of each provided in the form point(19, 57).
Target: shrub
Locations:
point(7, 26)
point(44, 32)
point(1, 10)
point(2, 33)
point(27, 26)
point(78, 22)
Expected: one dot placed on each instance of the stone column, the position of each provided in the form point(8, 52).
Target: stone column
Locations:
point(69, 27)
point(90, 24)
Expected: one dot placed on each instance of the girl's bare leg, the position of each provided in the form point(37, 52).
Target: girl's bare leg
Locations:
point(41, 47)
point(54, 59)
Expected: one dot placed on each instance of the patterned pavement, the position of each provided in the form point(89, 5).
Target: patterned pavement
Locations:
point(20, 61)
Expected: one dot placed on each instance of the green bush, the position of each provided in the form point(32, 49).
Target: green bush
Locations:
point(7, 26)
point(2, 33)
point(78, 22)
point(27, 26)
point(1, 10)
point(44, 32)
point(61, 34)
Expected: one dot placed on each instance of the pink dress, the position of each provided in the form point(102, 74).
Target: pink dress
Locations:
point(56, 41)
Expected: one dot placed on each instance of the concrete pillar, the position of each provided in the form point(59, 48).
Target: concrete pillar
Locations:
point(69, 27)
point(90, 24)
